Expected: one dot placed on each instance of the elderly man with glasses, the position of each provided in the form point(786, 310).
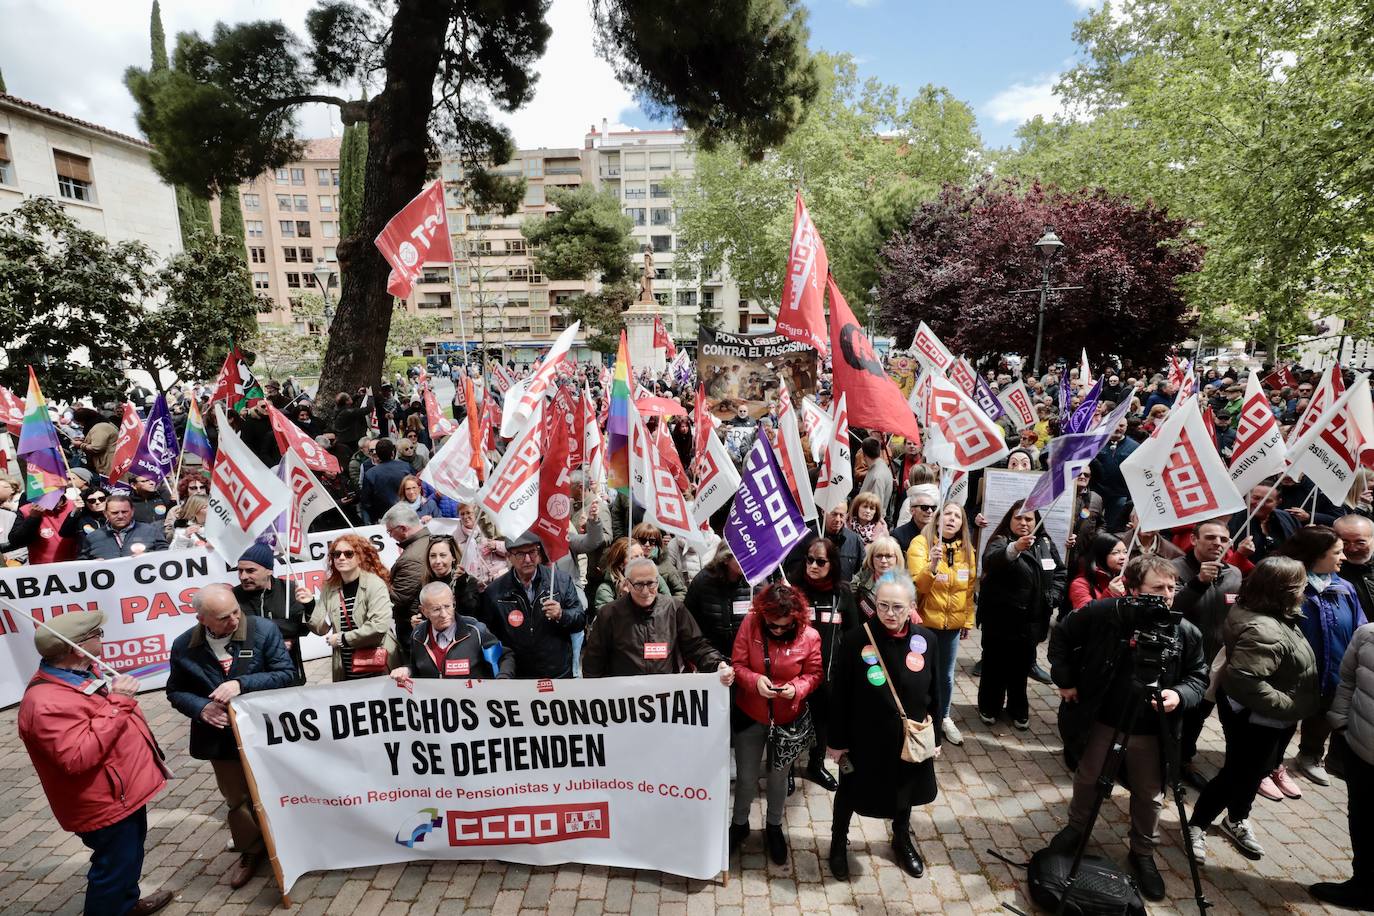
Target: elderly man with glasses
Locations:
point(534, 610)
point(644, 632)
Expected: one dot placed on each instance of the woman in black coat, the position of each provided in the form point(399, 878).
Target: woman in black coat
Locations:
point(866, 730)
point(719, 598)
point(1023, 580)
point(833, 613)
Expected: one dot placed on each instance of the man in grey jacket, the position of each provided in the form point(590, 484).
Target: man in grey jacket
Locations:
point(1352, 717)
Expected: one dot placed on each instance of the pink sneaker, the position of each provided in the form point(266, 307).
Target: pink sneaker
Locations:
point(1269, 790)
point(1286, 783)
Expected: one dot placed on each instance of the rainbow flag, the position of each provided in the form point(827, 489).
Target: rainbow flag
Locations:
point(618, 420)
point(46, 479)
point(196, 441)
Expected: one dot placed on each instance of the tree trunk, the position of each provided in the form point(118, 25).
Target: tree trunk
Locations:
point(398, 132)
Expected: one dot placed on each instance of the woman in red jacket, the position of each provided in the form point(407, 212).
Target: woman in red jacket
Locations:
point(777, 659)
point(1099, 571)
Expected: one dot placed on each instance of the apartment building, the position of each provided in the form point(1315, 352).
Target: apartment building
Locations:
point(103, 179)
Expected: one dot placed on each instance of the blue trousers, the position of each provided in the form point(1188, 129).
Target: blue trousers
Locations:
point(116, 863)
point(948, 646)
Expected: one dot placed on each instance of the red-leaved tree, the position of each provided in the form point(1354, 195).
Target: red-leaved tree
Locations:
point(964, 254)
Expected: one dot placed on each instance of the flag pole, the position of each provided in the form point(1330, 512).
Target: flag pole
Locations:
point(38, 623)
point(1135, 539)
point(1245, 526)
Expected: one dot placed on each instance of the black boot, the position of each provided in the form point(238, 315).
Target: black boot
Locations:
point(904, 848)
point(817, 773)
point(738, 834)
point(776, 842)
point(839, 856)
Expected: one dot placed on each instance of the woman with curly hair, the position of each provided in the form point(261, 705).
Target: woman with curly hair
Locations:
point(354, 614)
point(777, 660)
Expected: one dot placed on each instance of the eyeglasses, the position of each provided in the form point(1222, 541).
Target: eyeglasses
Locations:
point(342, 554)
point(644, 586)
point(817, 561)
point(924, 508)
point(95, 500)
point(884, 608)
point(649, 542)
point(525, 552)
point(885, 556)
point(94, 634)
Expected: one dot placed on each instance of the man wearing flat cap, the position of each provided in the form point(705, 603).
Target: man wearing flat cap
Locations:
point(96, 758)
point(534, 610)
point(225, 654)
point(260, 594)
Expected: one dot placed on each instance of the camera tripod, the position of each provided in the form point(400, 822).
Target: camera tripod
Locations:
point(1111, 765)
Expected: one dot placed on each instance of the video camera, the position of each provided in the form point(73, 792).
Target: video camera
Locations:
point(1154, 640)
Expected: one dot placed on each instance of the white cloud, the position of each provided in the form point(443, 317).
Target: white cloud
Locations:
point(1086, 4)
point(1022, 101)
point(99, 40)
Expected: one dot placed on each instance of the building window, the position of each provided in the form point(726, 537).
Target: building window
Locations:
point(436, 301)
point(662, 299)
point(453, 171)
point(663, 273)
point(284, 202)
point(303, 228)
point(261, 281)
point(293, 281)
point(326, 203)
point(558, 322)
point(534, 168)
point(252, 202)
point(254, 227)
point(661, 216)
point(518, 323)
point(658, 190)
point(322, 177)
point(687, 299)
point(539, 324)
point(515, 246)
point(287, 227)
point(257, 255)
point(74, 180)
point(6, 162)
point(660, 162)
point(662, 244)
point(302, 203)
point(298, 176)
point(536, 276)
point(327, 230)
point(634, 193)
point(520, 275)
point(534, 195)
point(283, 176)
point(307, 256)
point(481, 248)
point(637, 214)
point(329, 254)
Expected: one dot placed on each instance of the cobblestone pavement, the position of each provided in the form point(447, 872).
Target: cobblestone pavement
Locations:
point(1003, 788)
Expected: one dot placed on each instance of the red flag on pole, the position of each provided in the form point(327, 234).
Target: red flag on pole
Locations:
point(290, 438)
point(662, 340)
point(801, 317)
point(874, 400)
point(11, 410)
point(126, 444)
point(555, 488)
point(417, 234)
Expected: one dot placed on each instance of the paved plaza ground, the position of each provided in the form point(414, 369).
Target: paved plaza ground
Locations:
point(1003, 788)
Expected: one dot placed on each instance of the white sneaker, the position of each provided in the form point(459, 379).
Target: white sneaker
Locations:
point(1243, 838)
point(952, 732)
point(1197, 839)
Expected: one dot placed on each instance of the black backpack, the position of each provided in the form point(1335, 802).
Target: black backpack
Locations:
point(1099, 889)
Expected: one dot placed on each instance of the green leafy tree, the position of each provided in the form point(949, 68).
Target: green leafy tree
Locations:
point(1251, 118)
point(408, 332)
point(863, 157)
point(209, 306)
point(231, 221)
point(352, 161)
point(588, 238)
point(63, 294)
point(223, 113)
point(157, 38)
point(282, 350)
point(193, 209)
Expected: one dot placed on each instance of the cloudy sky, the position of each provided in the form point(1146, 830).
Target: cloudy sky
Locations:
point(1000, 56)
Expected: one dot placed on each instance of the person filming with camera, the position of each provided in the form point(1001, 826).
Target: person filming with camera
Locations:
point(1104, 657)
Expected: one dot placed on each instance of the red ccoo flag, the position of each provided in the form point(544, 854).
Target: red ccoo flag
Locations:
point(290, 438)
point(662, 340)
point(417, 234)
point(874, 400)
point(801, 317)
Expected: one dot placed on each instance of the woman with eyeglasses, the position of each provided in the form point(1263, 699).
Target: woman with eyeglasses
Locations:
point(1023, 581)
point(833, 613)
point(650, 538)
point(777, 661)
point(882, 556)
point(944, 563)
point(354, 614)
point(890, 658)
point(190, 484)
point(412, 494)
point(483, 556)
point(190, 521)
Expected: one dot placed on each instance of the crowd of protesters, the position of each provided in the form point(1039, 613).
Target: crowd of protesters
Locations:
point(857, 639)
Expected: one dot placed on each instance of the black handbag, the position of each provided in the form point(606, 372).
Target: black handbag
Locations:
point(785, 742)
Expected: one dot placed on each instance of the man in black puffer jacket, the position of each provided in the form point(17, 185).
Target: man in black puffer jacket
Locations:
point(1093, 666)
point(447, 644)
point(534, 610)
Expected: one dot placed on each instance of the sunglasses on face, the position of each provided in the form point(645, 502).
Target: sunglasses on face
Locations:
point(649, 542)
point(342, 554)
point(96, 500)
point(817, 561)
point(925, 508)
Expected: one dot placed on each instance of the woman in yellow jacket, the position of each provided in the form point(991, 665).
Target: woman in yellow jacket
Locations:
point(944, 565)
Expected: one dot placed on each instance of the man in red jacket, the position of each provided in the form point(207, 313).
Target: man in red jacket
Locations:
point(96, 758)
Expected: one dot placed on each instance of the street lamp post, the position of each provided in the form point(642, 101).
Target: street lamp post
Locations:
point(323, 274)
point(1049, 245)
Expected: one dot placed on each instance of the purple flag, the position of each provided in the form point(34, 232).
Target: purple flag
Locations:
point(987, 399)
point(1069, 454)
point(156, 457)
point(764, 522)
point(1083, 417)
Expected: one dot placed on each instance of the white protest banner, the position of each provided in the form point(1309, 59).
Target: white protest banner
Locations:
point(1001, 488)
point(1329, 452)
point(511, 493)
point(817, 424)
point(836, 472)
point(631, 772)
point(1177, 478)
point(958, 433)
point(245, 497)
point(1259, 451)
point(146, 601)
